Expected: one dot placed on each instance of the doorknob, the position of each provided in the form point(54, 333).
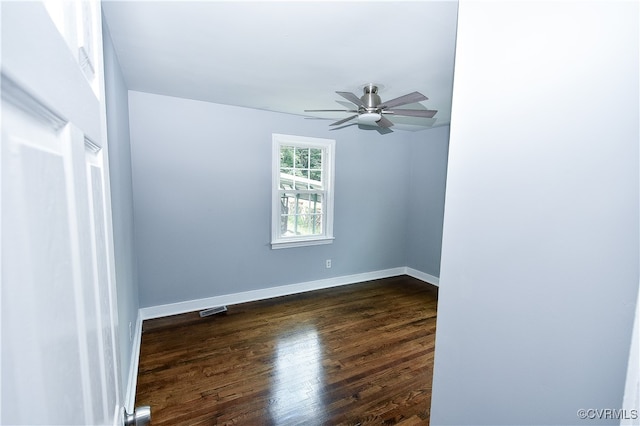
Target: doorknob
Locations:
point(140, 416)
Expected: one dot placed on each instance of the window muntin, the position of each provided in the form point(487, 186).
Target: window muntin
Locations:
point(302, 191)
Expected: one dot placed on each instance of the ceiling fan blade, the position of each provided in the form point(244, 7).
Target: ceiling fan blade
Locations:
point(351, 98)
point(426, 113)
point(403, 100)
point(344, 120)
point(342, 127)
point(330, 110)
point(384, 122)
point(384, 130)
point(374, 126)
point(346, 104)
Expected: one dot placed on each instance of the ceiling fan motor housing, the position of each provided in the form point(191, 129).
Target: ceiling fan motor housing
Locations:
point(370, 99)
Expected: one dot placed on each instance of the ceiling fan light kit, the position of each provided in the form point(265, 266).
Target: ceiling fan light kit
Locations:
point(371, 110)
point(369, 117)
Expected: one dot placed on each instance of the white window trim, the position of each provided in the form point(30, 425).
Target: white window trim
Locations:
point(329, 145)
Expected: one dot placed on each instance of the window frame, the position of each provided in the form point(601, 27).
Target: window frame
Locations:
point(328, 166)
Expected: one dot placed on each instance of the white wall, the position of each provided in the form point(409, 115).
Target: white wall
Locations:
point(540, 258)
point(121, 202)
point(201, 178)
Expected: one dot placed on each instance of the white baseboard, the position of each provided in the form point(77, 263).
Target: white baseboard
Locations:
point(285, 290)
point(266, 293)
point(130, 397)
point(423, 276)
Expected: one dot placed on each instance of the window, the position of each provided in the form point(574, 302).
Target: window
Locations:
point(302, 191)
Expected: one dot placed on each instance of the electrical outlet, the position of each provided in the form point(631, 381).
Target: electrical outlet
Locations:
point(327, 263)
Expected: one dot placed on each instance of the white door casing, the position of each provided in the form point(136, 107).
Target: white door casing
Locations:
point(58, 319)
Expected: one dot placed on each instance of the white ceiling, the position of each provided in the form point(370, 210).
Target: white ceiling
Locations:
point(288, 56)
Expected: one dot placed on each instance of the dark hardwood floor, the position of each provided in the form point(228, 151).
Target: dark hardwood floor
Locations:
point(360, 354)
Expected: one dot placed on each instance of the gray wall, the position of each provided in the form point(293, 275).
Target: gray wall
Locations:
point(121, 201)
point(202, 175)
point(540, 250)
point(425, 204)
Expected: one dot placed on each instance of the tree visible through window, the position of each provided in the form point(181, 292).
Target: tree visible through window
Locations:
point(303, 187)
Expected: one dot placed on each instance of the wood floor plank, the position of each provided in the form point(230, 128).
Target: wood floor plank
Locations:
point(354, 355)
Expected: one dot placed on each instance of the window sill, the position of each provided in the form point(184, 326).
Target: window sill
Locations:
point(301, 243)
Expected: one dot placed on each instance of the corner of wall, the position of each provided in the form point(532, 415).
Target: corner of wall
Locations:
point(423, 276)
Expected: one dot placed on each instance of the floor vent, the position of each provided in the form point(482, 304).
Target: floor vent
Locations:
point(213, 311)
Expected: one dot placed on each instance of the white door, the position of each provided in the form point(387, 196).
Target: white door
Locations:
point(58, 318)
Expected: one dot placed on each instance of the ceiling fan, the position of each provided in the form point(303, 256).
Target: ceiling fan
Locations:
point(371, 110)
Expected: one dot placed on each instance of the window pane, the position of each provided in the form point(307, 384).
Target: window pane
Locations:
point(316, 203)
point(316, 179)
point(310, 224)
point(292, 226)
point(315, 158)
point(287, 203)
point(286, 156)
point(301, 225)
point(302, 179)
point(302, 158)
point(310, 203)
point(304, 174)
point(286, 178)
point(287, 226)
